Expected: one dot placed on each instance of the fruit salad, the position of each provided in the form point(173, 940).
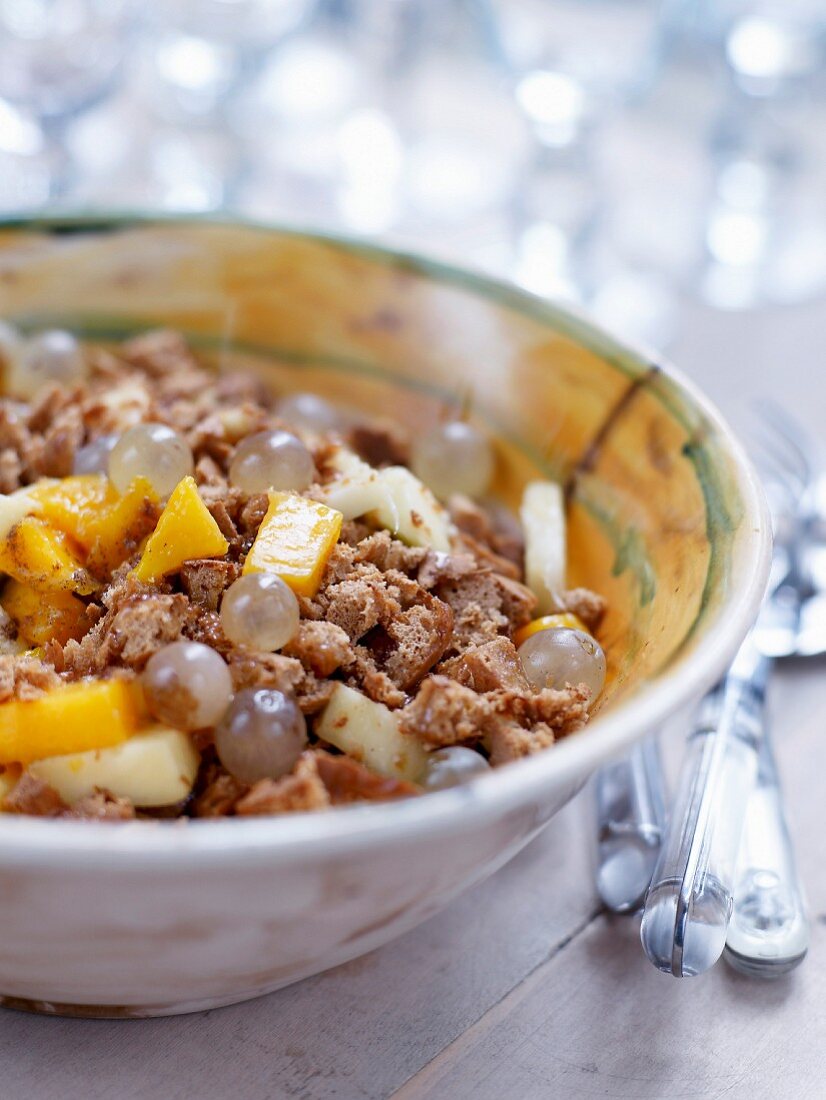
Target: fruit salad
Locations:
point(219, 601)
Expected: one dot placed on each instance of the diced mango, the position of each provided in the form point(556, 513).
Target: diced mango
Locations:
point(105, 524)
point(116, 531)
point(294, 541)
point(185, 530)
point(155, 767)
point(38, 555)
point(369, 732)
point(92, 714)
point(41, 617)
point(563, 620)
point(67, 504)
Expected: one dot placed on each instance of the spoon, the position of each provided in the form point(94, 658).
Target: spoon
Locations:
point(630, 821)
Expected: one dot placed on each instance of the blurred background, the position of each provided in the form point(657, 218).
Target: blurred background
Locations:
point(656, 161)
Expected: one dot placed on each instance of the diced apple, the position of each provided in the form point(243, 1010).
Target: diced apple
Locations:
point(8, 781)
point(155, 768)
point(543, 523)
point(420, 519)
point(11, 644)
point(394, 497)
point(359, 489)
point(15, 506)
point(369, 732)
point(348, 463)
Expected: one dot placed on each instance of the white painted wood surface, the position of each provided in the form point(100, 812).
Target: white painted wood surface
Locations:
point(522, 989)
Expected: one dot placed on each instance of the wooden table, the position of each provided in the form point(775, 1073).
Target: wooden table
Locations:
point(523, 988)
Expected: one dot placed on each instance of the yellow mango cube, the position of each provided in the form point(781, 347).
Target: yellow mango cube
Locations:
point(38, 555)
point(91, 714)
point(186, 530)
point(564, 619)
point(294, 541)
point(107, 526)
point(41, 617)
point(115, 532)
point(68, 503)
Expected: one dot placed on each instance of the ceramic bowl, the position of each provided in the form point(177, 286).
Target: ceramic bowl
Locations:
point(666, 520)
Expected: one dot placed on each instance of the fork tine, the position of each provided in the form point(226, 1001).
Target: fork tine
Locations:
point(782, 455)
point(785, 450)
point(774, 463)
point(789, 434)
point(785, 421)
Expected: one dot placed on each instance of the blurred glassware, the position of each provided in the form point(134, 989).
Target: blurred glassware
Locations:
point(463, 153)
point(201, 51)
point(770, 46)
point(392, 117)
point(25, 166)
point(765, 220)
point(253, 25)
point(125, 160)
point(434, 155)
point(611, 50)
point(59, 56)
point(288, 117)
point(192, 58)
point(57, 59)
point(574, 65)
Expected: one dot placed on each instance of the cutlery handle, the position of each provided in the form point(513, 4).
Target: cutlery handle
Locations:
point(690, 898)
point(630, 821)
point(769, 931)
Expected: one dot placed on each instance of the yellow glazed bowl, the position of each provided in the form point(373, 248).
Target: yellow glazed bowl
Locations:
point(666, 520)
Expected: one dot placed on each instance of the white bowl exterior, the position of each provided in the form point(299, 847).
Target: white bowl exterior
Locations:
point(98, 939)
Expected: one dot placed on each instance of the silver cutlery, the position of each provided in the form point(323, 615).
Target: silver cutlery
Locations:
point(702, 899)
point(769, 931)
point(697, 881)
point(630, 823)
point(689, 900)
point(768, 934)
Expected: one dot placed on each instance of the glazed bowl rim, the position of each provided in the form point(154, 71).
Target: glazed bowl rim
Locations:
point(33, 841)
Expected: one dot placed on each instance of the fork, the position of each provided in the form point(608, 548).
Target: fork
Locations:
point(769, 931)
point(696, 882)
